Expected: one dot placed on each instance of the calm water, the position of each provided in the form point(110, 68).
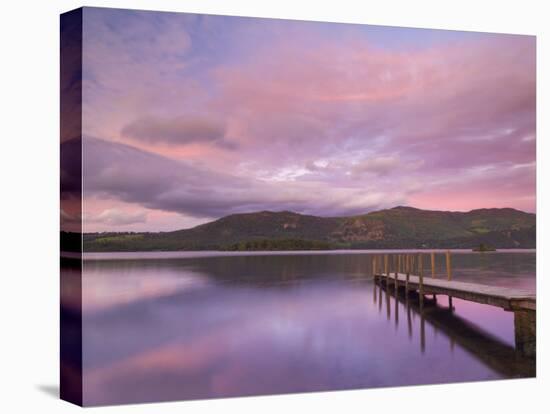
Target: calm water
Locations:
point(168, 326)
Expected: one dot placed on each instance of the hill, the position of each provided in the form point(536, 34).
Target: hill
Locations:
point(399, 227)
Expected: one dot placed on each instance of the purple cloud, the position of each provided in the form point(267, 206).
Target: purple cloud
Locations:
point(176, 131)
point(207, 116)
point(122, 172)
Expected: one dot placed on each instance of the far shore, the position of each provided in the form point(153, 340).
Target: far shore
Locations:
point(221, 253)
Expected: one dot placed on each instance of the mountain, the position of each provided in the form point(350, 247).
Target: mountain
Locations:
point(399, 227)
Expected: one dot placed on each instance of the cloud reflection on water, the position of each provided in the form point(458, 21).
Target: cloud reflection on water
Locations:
point(247, 325)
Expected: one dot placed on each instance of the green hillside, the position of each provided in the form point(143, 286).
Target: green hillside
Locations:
point(399, 227)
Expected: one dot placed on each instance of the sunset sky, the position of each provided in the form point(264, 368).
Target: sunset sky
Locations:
point(187, 118)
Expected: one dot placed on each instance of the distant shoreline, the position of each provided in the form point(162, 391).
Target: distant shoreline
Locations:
point(220, 253)
point(396, 228)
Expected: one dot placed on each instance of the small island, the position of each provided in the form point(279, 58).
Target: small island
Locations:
point(484, 248)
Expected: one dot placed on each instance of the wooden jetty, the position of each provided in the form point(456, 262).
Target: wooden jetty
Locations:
point(401, 276)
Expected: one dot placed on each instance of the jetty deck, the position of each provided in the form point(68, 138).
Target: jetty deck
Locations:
point(505, 298)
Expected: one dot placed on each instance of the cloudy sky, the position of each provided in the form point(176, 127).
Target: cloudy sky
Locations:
point(187, 118)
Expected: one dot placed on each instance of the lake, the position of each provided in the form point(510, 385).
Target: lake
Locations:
point(192, 325)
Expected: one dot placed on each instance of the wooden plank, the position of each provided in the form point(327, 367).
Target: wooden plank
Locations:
point(504, 292)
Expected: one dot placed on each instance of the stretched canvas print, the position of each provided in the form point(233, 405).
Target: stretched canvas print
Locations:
point(263, 206)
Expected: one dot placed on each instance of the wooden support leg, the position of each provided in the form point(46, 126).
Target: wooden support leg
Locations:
point(421, 281)
point(407, 270)
point(525, 329)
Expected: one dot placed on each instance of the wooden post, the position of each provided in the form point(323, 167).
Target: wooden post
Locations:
point(449, 275)
point(374, 268)
point(387, 292)
point(433, 271)
point(448, 261)
point(420, 281)
point(386, 265)
point(525, 332)
point(396, 263)
point(408, 273)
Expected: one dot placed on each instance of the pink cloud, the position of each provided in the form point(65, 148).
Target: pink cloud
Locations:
point(288, 95)
point(110, 214)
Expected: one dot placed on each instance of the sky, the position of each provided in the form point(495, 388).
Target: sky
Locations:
point(188, 118)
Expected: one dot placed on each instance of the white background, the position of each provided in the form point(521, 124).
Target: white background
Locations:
point(29, 126)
